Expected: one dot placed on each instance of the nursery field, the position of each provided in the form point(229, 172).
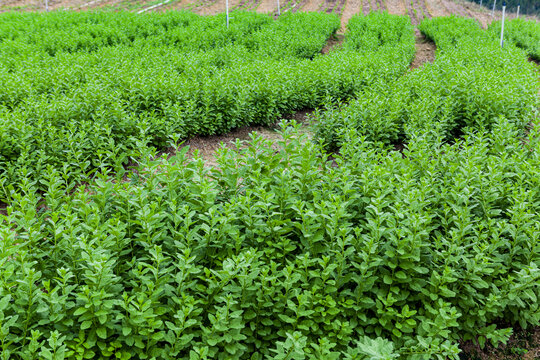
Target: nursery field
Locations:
point(417, 10)
point(404, 225)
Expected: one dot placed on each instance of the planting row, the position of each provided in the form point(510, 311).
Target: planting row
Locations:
point(94, 108)
point(524, 34)
point(470, 85)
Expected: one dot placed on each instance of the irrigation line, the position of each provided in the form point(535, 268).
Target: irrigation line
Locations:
point(153, 7)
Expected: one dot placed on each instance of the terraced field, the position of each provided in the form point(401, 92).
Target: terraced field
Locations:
point(416, 9)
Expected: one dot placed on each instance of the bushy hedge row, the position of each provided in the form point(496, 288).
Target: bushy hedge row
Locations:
point(471, 83)
point(85, 110)
point(523, 33)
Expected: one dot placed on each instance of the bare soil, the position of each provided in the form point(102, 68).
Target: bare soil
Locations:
point(366, 8)
point(312, 5)
point(425, 51)
point(352, 7)
point(396, 7)
point(300, 6)
point(265, 6)
point(523, 345)
point(332, 43)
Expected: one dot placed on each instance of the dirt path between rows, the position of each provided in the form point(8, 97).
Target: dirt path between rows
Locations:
point(206, 147)
point(352, 7)
point(180, 5)
point(312, 5)
point(396, 7)
point(425, 51)
point(332, 6)
point(365, 7)
point(266, 6)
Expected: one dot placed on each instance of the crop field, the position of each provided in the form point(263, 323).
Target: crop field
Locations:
point(399, 221)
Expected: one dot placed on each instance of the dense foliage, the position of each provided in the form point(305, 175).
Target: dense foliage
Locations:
point(466, 87)
point(98, 87)
point(523, 33)
point(458, 120)
point(283, 252)
point(178, 262)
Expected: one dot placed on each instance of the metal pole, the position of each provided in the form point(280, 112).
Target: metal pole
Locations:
point(502, 24)
point(518, 11)
point(480, 2)
point(227, 10)
point(278, 8)
point(493, 10)
point(46, 5)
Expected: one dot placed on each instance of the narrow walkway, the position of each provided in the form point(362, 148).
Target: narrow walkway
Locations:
point(425, 51)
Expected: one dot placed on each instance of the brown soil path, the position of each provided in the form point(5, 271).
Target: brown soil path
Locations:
point(425, 51)
point(206, 147)
point(267, 6)
point(396, 7)
point(352, 7)
point(180, 5)
point(338, 9)
point(312, 5)
point(300, 6)
point(365, 7)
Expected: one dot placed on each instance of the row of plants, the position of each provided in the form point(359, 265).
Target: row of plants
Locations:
point(469, 86)
point(84, 111)
point(467, 130)
point(523, 33)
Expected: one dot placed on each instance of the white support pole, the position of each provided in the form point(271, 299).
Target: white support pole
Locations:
point(46, 5)
point(502, 24)
point(493, 10)
point(278, 8)
point(480, 2)
point(227, 11)
point(518, 11)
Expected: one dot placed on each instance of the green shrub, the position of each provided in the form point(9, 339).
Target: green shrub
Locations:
point(523, 33)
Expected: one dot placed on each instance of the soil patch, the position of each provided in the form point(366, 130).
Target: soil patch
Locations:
point(396, 7)
point(523, 345)
point(265, 6)
point(425, 51)
point(365, 7)
point(411, 11)
point(334, 41)
point(299, 6)
point(312, 5)
point(352, 7)
point(338, 9)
